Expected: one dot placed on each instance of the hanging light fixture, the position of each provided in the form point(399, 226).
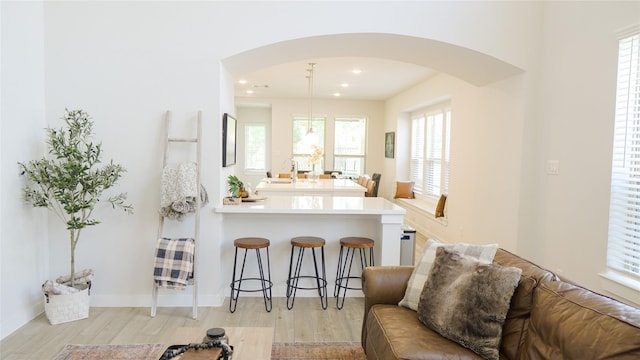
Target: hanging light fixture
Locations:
point(310, 101)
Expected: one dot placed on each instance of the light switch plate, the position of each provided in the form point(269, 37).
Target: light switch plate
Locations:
point(553, 167)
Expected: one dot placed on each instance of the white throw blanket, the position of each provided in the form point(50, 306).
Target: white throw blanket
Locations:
point(180, 191)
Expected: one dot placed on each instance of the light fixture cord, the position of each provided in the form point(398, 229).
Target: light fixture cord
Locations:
point(310, 77)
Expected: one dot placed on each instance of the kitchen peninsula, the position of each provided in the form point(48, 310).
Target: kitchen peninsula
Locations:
point(280, 218)
point(319, 187)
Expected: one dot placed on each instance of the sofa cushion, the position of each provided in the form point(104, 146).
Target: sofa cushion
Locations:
point(570, 322)
point(484, 254)
point(394, 332)
point(514, 328)
point(467, 301)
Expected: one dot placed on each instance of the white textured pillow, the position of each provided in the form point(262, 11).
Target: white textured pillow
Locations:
point(483, 253)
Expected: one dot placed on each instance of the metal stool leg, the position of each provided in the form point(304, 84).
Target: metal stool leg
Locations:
point(266, 287)
point(338, 272)
point(233, 300)
point(292, 282)
point(322, 286)
point(348, 258)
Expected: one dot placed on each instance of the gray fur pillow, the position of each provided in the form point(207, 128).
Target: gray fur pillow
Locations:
point(467, 302)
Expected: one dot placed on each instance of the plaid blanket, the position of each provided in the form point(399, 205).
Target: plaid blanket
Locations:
point(174, 263)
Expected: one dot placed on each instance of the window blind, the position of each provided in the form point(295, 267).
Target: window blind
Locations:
point(417, 152)
point(623, 252)
point(350, 146)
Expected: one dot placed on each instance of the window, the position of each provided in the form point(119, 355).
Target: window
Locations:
point(255, 148)
point(430, 138)
point(302, 140)
point(350, 146)
point(623, 252)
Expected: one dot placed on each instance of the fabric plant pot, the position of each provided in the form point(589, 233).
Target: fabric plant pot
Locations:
point(68, 307)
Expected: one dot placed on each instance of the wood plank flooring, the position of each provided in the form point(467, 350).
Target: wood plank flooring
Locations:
point(306, 322)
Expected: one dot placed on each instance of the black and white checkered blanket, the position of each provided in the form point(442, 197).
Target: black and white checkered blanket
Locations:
point(174, 263)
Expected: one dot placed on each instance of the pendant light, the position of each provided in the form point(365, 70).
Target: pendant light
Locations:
point(310, 99)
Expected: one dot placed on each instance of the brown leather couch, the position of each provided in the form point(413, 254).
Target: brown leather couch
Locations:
point(549, 318)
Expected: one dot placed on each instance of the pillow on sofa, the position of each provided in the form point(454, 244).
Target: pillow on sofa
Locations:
point(440, 206)
point(404, 189)
point(467, 302)
point(484, 254)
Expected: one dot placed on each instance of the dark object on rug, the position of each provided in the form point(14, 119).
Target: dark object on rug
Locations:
point(317, 351)
point(194, 352)
point(111, 352)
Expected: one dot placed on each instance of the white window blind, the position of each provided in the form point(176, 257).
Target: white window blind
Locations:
point(350, 146)
point(623, 253)
point(417, 152)
point(430, 139)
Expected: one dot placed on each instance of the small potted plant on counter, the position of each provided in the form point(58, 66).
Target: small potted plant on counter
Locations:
point(236, 189)
point(70, 183)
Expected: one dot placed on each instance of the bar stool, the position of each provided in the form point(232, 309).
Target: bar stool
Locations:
point(303, 243)
point(343, 274)
point(251, 243)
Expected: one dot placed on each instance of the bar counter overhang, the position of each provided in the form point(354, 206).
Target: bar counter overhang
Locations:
point(280, 218)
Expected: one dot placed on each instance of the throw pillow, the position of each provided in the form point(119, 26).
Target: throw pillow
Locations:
point(467, 302)
point(404, 189)
point(484, 254)
point(440, 206)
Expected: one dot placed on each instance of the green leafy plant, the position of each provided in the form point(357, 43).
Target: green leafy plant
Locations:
point(235, 185)
point(70, 181)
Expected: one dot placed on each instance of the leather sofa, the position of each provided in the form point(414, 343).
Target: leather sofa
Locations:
point(549, 318)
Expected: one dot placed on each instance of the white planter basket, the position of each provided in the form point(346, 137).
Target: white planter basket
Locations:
point(68, 307)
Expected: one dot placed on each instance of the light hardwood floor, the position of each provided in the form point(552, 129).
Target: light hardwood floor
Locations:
point(306, 322)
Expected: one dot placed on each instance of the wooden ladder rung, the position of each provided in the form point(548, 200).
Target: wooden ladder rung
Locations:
point(193, 140)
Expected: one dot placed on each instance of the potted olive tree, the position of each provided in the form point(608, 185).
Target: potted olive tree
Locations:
point(71, 180)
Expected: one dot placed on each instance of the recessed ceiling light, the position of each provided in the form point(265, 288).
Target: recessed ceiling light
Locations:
point(242, 81)
point(336, 94)
point(356, 71)
point(344, 85)
point(249, 91)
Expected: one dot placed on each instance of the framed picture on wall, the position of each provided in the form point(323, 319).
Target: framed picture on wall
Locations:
point(229, 131)
point(389, 144)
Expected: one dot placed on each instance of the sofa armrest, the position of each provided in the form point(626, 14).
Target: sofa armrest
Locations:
point(383, 285)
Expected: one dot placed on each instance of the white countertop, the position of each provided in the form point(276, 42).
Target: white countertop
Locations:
point(285, 185)
point(329, 205)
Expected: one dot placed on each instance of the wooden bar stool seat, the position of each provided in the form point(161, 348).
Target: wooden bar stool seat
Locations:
point(345, 261)
point(251, 243)
point(293, 280)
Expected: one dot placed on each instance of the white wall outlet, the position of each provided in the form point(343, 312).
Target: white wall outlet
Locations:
point(553, 167)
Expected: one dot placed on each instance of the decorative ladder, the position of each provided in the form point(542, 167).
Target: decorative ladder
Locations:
point(197, 141)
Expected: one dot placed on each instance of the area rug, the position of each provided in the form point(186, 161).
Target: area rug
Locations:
point(279, 351)
point(318, 351)
point(111, 352)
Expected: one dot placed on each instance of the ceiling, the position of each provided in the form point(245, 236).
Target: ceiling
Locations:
point(379, 79)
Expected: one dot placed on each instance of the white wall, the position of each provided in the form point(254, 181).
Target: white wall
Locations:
point(24, 248)
point(486, 145)
point(127, 62)
point(577, 103)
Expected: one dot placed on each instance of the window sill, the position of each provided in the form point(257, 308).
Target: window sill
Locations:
point(423, 207)
point(621, 286)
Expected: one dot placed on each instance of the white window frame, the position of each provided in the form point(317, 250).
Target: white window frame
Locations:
point(419, 159)
point(247, 153)
point(362, 156)
point(319, 125)
point(623, 245)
